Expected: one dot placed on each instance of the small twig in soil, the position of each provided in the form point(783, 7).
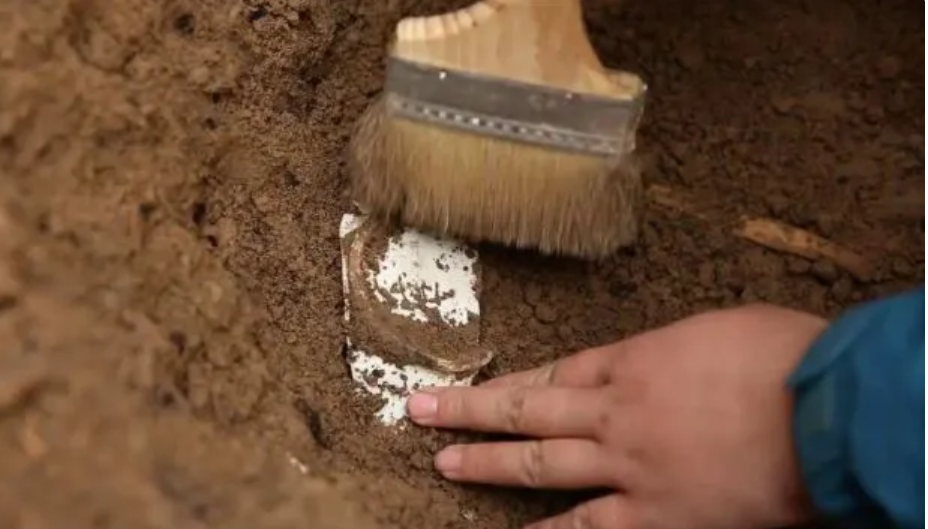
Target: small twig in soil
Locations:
point(772, 234)
point(778, 236)
point(673, 200)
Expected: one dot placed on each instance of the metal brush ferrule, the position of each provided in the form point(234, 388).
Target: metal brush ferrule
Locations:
point(513, 110)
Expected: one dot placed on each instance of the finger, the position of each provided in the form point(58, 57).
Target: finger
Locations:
point(587, 368)
point(549, 463)
point(532, 411)
point(609, 512)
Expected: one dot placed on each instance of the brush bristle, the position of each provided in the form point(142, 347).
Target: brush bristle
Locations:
point(481, 188)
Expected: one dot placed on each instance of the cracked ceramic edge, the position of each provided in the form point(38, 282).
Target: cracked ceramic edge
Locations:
point(409, 259)
point(392, 383)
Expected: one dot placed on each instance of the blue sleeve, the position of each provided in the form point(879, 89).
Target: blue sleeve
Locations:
point(859, 418)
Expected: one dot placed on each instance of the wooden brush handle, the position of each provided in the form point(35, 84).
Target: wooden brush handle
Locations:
point(533, 41)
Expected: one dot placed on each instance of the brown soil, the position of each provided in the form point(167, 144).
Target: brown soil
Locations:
point(170, 297)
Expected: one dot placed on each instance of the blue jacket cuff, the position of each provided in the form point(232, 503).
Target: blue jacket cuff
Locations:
point(859, 418)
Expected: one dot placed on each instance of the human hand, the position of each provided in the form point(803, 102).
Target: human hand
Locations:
point(689, 424)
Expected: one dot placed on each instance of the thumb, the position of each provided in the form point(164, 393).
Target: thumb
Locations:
point(609, 512)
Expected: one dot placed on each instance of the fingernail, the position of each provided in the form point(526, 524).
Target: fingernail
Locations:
point(448, 461)
point(422, 407)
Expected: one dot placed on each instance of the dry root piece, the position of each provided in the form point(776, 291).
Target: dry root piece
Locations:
point(674, 200)
point(782, 237)
point(772, 234)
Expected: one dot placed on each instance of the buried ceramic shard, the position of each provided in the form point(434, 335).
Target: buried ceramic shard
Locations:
point(412, 311)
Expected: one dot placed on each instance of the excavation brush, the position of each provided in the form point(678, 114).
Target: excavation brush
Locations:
point(498, 123)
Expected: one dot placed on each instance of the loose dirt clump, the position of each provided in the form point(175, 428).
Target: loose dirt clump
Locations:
point(171, 182)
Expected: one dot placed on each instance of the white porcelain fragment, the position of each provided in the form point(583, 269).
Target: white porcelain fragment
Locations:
point(414, 267)
point(418, 267)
